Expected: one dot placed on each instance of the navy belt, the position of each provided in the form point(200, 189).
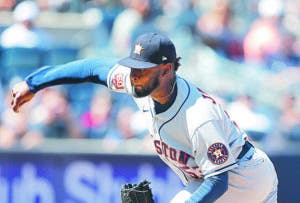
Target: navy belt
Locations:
point(246, 147)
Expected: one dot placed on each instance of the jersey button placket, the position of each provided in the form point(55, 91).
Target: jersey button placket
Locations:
point(155, 127)
point(154, 119)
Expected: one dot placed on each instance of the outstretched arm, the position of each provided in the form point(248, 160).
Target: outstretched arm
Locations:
point(88, 70)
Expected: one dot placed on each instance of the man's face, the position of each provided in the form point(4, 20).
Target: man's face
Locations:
point(144, 81)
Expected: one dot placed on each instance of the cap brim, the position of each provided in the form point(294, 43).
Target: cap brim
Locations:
point(133, 63)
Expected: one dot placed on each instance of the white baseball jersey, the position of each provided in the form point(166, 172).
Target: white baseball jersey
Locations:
point(194, 136)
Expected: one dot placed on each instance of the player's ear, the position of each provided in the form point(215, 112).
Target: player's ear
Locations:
point(167, 69)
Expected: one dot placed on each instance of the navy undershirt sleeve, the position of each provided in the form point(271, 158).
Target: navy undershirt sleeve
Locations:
point(86, 70)
point(211, 189)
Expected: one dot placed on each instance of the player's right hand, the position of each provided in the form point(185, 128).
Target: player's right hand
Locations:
point(20, 94)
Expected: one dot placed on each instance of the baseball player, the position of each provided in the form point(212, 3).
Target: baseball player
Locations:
point(191, 132)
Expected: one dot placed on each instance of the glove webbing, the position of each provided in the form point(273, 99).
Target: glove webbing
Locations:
point(141, 188)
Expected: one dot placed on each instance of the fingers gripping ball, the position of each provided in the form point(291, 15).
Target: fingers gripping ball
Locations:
point(137, 193)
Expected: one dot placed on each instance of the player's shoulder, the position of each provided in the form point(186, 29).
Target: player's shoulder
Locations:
point(198, 97)
point(202, 106)
point(118, 79)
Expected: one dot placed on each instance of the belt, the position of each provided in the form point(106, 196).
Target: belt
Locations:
point(246, 147)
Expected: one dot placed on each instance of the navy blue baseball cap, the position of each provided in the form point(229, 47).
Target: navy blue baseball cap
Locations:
point(150, 50)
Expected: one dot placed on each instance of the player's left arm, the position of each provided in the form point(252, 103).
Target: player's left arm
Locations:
point(211, 189)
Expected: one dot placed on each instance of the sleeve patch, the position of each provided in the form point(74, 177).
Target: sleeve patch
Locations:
point(118, 81)
point(217, 153)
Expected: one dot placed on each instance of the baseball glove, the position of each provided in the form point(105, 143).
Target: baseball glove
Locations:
point(137, 193)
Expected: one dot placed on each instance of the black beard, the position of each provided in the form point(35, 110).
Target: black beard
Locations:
point(138, 93)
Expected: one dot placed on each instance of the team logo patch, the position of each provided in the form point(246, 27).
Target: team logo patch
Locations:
point(118, 81)
point(138, 48)
point(217, 153)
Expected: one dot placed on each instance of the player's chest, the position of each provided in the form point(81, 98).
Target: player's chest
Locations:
point(171, 139)
point(170, 129)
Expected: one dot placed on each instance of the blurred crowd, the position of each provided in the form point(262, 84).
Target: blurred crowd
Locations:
point(245, 53)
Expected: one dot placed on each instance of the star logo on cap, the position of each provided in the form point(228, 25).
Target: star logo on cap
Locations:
point(138, 48)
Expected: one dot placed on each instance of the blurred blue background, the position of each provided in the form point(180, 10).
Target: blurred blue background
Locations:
point(245, 53)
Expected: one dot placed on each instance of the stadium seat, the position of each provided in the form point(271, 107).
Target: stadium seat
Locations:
point(19, 62)
point(256, 135)
point(293, 134)
point(60, 55)
point(1, 69)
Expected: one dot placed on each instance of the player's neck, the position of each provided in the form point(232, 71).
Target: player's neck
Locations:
point(159, 108)
point(167, 93)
